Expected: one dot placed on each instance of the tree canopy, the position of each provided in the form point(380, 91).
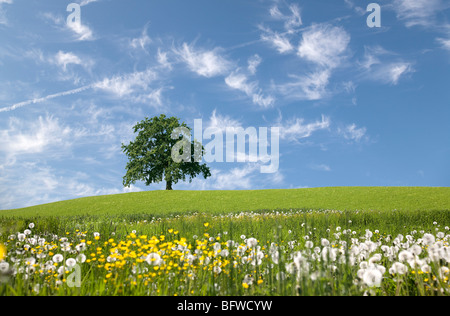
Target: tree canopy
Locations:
point(151, 155)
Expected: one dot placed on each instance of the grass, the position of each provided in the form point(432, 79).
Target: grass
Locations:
point(218, 202)
point(199, 243)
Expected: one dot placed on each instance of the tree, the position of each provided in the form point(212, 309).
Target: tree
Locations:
point(151, 155)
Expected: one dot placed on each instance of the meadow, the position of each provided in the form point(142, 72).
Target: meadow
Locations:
point(398, 247)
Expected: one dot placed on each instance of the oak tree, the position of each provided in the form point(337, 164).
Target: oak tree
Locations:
point(151, 155)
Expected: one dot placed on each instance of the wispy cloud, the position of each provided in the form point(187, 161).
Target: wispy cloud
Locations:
point(63, 59)
point(324, 45)
point(206, 63)
point(418, 12)
point(381, 65)
point(253, 63)
point(21, 138)
point(3, 19)
point(320, 167)
point(353, 133)
point(124, 85)
point(239, 81)
point(291, 20)
point(141, 42)
point(295, 129)
point(220, 122)
point(277, 40)
point(82, 32)
point(311, 86)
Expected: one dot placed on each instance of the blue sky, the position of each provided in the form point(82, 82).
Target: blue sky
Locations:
point(356, 106)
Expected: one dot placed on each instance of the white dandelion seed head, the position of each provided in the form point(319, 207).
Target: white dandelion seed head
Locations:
point(251, 242)
point(71, 262)
point(428, 239)
point(81, 258)
point(58, 258)
point(372, 277)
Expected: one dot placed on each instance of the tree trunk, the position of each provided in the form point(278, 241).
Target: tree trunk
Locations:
point(169, 186)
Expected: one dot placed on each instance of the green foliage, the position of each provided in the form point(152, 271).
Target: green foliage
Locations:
point(150, 154)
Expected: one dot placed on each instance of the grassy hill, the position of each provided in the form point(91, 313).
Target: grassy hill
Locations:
point(170, 202)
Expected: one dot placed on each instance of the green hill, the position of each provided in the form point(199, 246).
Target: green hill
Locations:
point(171, 202)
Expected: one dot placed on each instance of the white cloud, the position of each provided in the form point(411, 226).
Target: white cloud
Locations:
point(206, 63)
point(324, 44)
point(397, 70)
point(142, 41)
point(320, 167)
point(127, 84)
point(220, 122)
point(279, 41)
point(325, 47)
point(418, 12)
point(37, 184)
point(21, 138)
point(86, 2)
point(240, 82)
point(3, 19)
point(253, 63)
point(63, 59)
point(236, 178)
point(296, 129)
point(292, 20)
point(83, 31)
point(378, 65)
point(310, 86)
point(445, 41)
point(353, 133)
point(163, 59)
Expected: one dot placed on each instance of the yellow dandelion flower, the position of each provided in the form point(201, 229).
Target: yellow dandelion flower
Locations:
point(245, 285)
point(2, 252)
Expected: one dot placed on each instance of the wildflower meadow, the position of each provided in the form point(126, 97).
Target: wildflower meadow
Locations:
point(265, 253)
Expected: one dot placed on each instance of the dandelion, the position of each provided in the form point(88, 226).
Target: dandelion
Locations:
point(71, 262)
point(398, 268)
point(27, 232)
point(4, 267)
point(154, 259)
point(252, 242)
point(405, 255)
point(372, 277)
point(428, 239)
point(58, 258)
point(81, 258)
point(2, 252)
point(325, 242)
point(31, 226)
point(81, 247)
